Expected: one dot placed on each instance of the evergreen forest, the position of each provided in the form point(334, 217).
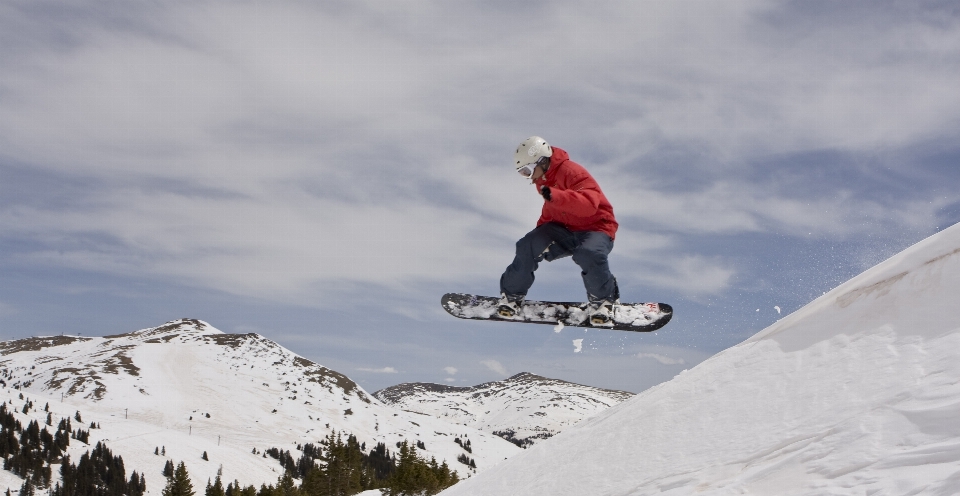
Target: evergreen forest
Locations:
point(345, 469)
point(338, 466)
point(29, 452)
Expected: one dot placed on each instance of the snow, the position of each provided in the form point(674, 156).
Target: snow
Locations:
point(156, 387)
point(577, 345)
point(856, 393)
point(530, 406)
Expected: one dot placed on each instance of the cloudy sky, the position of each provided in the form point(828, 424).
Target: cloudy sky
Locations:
point(322, 172)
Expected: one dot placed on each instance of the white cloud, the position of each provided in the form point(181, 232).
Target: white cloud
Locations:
point(495, 366)
point(692, 275)
point(307, 151)
point(728, 207)
point(450, 370)
point(385, 370)
point(662, 358)
point(268, 247)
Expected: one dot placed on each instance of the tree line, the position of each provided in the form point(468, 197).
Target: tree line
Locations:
point(29, 452)
point(344, 470)
point(337, 466)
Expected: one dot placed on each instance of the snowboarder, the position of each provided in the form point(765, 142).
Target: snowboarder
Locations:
point(577, 220)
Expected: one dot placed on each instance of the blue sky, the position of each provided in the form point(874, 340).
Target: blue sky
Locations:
point(322, 174)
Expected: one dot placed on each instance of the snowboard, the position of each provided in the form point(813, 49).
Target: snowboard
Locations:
point(637, 317)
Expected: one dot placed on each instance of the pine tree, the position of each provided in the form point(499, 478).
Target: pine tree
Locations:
point(411, 476)
point(215, 489)
point(137, 484)
point(286, 486)
point(415, 476)
point(343, 465)
point(380, 462)
point(446, 476)
point(179, 484)
point(27, 488)
point(342, 472)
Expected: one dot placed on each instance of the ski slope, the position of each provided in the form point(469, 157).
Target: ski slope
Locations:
point(856, 393)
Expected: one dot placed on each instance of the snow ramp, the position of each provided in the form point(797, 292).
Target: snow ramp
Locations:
point(858, 392)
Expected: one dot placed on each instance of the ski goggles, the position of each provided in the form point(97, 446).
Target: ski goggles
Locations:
point(527, 170)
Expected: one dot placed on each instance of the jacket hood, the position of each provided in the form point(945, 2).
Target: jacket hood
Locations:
point(559, 157)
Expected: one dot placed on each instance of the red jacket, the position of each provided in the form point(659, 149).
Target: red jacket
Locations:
point(575, 198)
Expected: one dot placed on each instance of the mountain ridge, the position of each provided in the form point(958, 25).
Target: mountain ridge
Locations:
point(524, 408)
point(194, 389)
point(392, 394)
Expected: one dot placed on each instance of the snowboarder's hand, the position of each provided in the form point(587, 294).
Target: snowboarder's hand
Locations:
point(545, 191)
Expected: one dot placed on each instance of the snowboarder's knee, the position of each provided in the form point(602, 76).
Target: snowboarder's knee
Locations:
point(587, 256)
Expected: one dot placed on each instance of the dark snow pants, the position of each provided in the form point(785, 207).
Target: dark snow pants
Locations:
point(552, 241)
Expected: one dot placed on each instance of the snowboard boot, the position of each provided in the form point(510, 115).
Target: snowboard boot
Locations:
point(601, 312)
point(509, 306)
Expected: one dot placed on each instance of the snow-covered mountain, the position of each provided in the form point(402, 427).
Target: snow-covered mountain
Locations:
point(524, 408)
point(190, 388)
point(856, 393)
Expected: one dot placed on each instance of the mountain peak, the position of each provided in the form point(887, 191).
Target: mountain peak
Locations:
point(525, 376)
point(172, 329)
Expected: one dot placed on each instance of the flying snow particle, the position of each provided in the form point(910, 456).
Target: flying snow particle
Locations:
point(577, 345)
point(558, 327)
point(777, 309)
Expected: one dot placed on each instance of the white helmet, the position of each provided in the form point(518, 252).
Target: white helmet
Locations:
point(531, 151)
